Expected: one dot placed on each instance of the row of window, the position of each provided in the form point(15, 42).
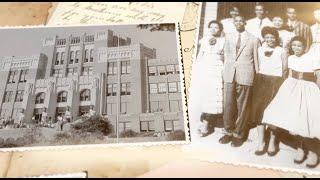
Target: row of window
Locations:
point(5, 112)
point(13, 75)
point(74, 57)
point(160, 106)
point(62, 96)
point(112, 108)
point(148, 126)
point(8, 95)
point(161, 88)
point(75, 40)
point(72, 71)
point(163, 70)
point(113, 68)
point(156, 106)
point(124, 89)
point(169, 125)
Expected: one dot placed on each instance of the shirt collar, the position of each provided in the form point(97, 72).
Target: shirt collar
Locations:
point(260, 19)
point(292, 22)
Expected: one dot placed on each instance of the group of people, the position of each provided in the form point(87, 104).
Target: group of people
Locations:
point(44, 120)
point(15, 123)
point(262, 73)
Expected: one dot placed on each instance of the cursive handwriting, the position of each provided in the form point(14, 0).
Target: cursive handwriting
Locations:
point(102, 12)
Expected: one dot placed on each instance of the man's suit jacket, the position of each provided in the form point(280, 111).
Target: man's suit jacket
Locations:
point(243, 66)
point(303, 30)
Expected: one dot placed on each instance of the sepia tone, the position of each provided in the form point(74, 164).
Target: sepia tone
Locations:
point(105, 167)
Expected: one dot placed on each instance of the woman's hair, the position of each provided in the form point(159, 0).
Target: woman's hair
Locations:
point(271, 30)
point(216, 22)
point(297, 38)
point(278, 15)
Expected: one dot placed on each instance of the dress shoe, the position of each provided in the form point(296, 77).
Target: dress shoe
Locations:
point(273, 153)
point(205, 134)
point(312, 160)
point(237, 142)
point(225, 139)
point(261, 152)
point(301, 156)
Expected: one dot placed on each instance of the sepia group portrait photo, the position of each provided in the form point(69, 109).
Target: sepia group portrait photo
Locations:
point(254, 94)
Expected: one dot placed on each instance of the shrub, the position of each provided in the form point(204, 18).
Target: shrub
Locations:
point(77, 137)
point(62, 135)
point(128, 134)
point(95, 124)
point(32, 136)
point(9, 142)
point(1, 141)
point(62, 138)
point(178, 135)
point(20, 141)
point(146, 134)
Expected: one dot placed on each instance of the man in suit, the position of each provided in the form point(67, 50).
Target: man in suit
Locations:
point(240, 67)
point(255, 25)
point(298, 27)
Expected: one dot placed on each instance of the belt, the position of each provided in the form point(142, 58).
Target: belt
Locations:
point(307, 76)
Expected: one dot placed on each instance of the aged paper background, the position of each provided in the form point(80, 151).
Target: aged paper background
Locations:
point(115, 12)
point(120, 161)
point(21, 14)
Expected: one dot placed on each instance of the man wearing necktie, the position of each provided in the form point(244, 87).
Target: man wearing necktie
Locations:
point(240, 67)
point(298, 27)
point(255, 25)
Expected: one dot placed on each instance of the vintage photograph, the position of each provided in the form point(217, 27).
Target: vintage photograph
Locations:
point(73, 85)
point(254, 94)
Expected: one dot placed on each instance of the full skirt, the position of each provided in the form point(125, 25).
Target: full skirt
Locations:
point(295, 108)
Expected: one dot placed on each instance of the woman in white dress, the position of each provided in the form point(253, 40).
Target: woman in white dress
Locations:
point(295, 108)
point(206, 87)
point(285, 35)
point(272, 72)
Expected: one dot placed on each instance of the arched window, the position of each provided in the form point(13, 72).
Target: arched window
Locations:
point(40, 98)
point(85, 95)
point(62, 96)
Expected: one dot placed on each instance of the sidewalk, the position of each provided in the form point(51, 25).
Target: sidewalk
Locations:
point(245, 153)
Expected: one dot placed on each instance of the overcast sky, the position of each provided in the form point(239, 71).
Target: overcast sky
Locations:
point(28, 41)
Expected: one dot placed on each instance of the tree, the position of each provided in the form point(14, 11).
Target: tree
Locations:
point(158, 27)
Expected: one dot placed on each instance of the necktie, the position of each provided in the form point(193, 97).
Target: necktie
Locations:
point(238, 43)
point(260, 23)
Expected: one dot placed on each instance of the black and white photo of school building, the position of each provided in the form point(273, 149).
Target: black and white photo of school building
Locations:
point(97, 82)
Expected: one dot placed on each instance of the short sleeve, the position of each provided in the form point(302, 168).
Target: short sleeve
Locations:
point(290, 62)
point(316, 63)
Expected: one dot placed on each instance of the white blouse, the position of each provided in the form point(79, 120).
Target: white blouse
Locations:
point(305, 63)
point(270, 65)
point(207, 49)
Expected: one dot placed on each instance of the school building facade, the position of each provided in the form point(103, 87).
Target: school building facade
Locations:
point(121, 80)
